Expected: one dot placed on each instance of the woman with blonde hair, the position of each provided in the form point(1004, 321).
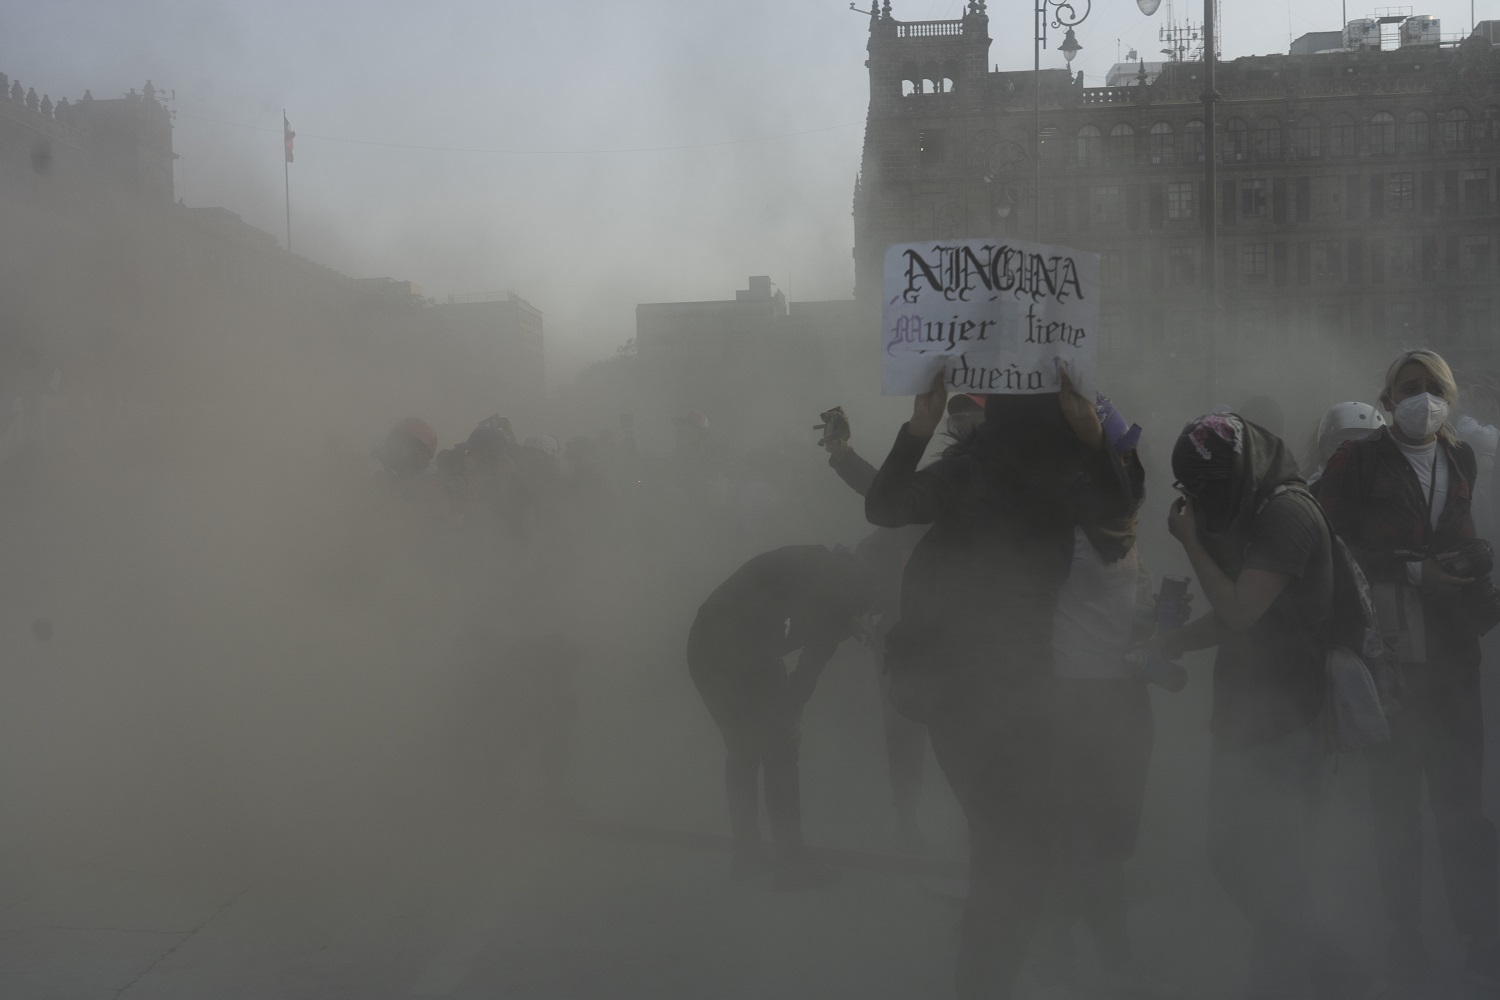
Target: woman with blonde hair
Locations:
point(1400, 498)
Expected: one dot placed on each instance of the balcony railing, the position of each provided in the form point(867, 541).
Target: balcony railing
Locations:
point(928, 29)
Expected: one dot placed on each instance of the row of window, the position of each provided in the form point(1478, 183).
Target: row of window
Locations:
point(1465, 321)
point(1316, 262)
point(1307, 138)
point(1328, 198)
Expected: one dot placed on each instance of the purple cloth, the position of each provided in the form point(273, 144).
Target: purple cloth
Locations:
point(1122, 437)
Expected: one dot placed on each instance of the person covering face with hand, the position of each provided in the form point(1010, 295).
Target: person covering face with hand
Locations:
point(1262, 552)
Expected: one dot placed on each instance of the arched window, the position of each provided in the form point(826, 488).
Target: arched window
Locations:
point(1456, 131)
point(1090, 146)
point(1163, 150)
point(1307, 138)
point(1122, 144)
point(1192, 142)
point(1237, 137)
point(1267, 139)
point(1341, 136)
point(1382, 134)
point(911, 79)
point(1414, 135)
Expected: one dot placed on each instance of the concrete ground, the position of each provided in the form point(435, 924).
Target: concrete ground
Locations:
point(539, 915)
point(567, 915)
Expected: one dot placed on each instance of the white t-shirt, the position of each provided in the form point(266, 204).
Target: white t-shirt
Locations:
point(1431, 466)
point(1095, 614)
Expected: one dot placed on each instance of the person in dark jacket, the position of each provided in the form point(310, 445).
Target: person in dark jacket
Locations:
point(799, 597)
point(965, 414)
point(1263, 555)
point(972, 654)
point(885, 551)
point(1401, 500)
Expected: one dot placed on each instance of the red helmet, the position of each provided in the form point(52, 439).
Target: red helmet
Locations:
point(418, 430)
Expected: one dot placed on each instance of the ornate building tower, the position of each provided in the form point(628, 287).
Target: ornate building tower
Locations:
point(923, 76)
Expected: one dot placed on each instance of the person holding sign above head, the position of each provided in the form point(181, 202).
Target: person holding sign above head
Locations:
point(972, 653)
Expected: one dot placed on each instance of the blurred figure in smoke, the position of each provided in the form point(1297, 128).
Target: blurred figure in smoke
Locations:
point(886, 551)
point(406, 458)
point(538, 480)
point(972, 654)
point(1262, 552)
point(801, 597)
point(408, 449)
point(476, 471)
point(1104, 726)
point(1401, 500)
point(1476, 427)
point(1343, 422)
point(697, 463)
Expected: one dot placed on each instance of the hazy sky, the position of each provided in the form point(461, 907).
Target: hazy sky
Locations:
point(583, 235)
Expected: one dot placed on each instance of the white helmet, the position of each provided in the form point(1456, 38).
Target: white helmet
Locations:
point(1483, 438)
point(1345, 422)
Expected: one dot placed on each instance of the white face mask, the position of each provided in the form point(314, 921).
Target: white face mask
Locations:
point(1419, 417)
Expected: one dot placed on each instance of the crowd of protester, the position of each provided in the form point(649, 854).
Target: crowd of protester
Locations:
point(1015, 628)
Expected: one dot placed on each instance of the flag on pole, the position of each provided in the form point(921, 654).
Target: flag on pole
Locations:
point(287, 135)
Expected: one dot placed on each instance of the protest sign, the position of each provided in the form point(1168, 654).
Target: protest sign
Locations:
point(999, 316)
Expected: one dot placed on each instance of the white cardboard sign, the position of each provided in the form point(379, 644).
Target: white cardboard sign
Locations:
point(999, 316)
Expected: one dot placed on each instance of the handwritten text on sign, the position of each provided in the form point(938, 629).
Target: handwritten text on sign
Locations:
point(1000, 317)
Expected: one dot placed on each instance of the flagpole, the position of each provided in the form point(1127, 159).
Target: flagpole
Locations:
point(286, 180)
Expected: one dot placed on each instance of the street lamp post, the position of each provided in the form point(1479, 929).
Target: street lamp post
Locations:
point(1210, 184)
point(1210, 187)
point(1060, 14)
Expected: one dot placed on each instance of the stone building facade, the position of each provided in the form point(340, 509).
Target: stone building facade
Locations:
point(1356, 190)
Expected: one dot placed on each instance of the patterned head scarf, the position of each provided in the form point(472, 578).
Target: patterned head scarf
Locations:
point(1235, 466)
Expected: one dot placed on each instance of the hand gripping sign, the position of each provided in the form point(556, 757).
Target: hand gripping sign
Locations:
point(999, 316)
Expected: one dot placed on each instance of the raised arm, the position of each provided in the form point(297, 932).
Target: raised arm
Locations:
point(853, 469)
point(900, 495)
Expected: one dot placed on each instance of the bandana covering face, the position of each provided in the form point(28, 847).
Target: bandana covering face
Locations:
point(1240, 464)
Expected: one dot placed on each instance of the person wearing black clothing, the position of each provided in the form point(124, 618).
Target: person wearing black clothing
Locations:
point(1401, 500)
point(1263, 554)
point(885, 551)
point(799, 597)
point(972, 652)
